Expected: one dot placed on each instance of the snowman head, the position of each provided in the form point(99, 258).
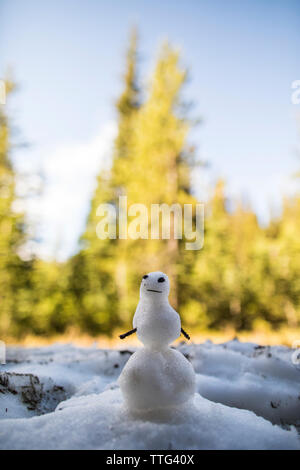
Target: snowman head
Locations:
point(155, 286)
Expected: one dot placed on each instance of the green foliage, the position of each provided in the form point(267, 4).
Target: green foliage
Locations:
point(97, 282)
point(14, 272)
point(245, 275)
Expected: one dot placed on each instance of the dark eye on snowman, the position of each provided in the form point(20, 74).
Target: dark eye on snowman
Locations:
point(145, 277)
point(161, 279)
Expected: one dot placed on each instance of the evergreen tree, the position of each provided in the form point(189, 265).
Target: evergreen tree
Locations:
point(281, 292)
point(157, 171)
point(14, 272)
point(245, 276)
point(99, 270)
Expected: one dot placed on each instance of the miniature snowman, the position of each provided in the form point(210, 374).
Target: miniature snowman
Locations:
point(156, 376)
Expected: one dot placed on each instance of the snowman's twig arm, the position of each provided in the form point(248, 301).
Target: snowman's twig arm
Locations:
point(127, 334)
point(185, 334)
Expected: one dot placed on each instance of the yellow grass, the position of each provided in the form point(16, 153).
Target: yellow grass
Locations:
point(264, 336)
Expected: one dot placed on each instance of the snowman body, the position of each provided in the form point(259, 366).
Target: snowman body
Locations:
point(156, 376)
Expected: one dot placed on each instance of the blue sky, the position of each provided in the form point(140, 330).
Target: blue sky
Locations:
point(68, 56)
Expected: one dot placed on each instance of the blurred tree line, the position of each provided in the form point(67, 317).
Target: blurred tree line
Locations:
point(246, 275)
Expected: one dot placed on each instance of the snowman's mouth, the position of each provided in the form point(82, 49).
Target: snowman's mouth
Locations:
point(151, 290)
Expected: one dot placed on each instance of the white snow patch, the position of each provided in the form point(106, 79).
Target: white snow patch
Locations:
point(242, 389)
point(101, 422)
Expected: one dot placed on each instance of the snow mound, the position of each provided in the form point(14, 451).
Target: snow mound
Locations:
point(102, 422)
point(248, 376)
point(243, 389)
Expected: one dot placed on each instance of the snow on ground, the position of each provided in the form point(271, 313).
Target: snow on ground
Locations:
point(66, 397)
